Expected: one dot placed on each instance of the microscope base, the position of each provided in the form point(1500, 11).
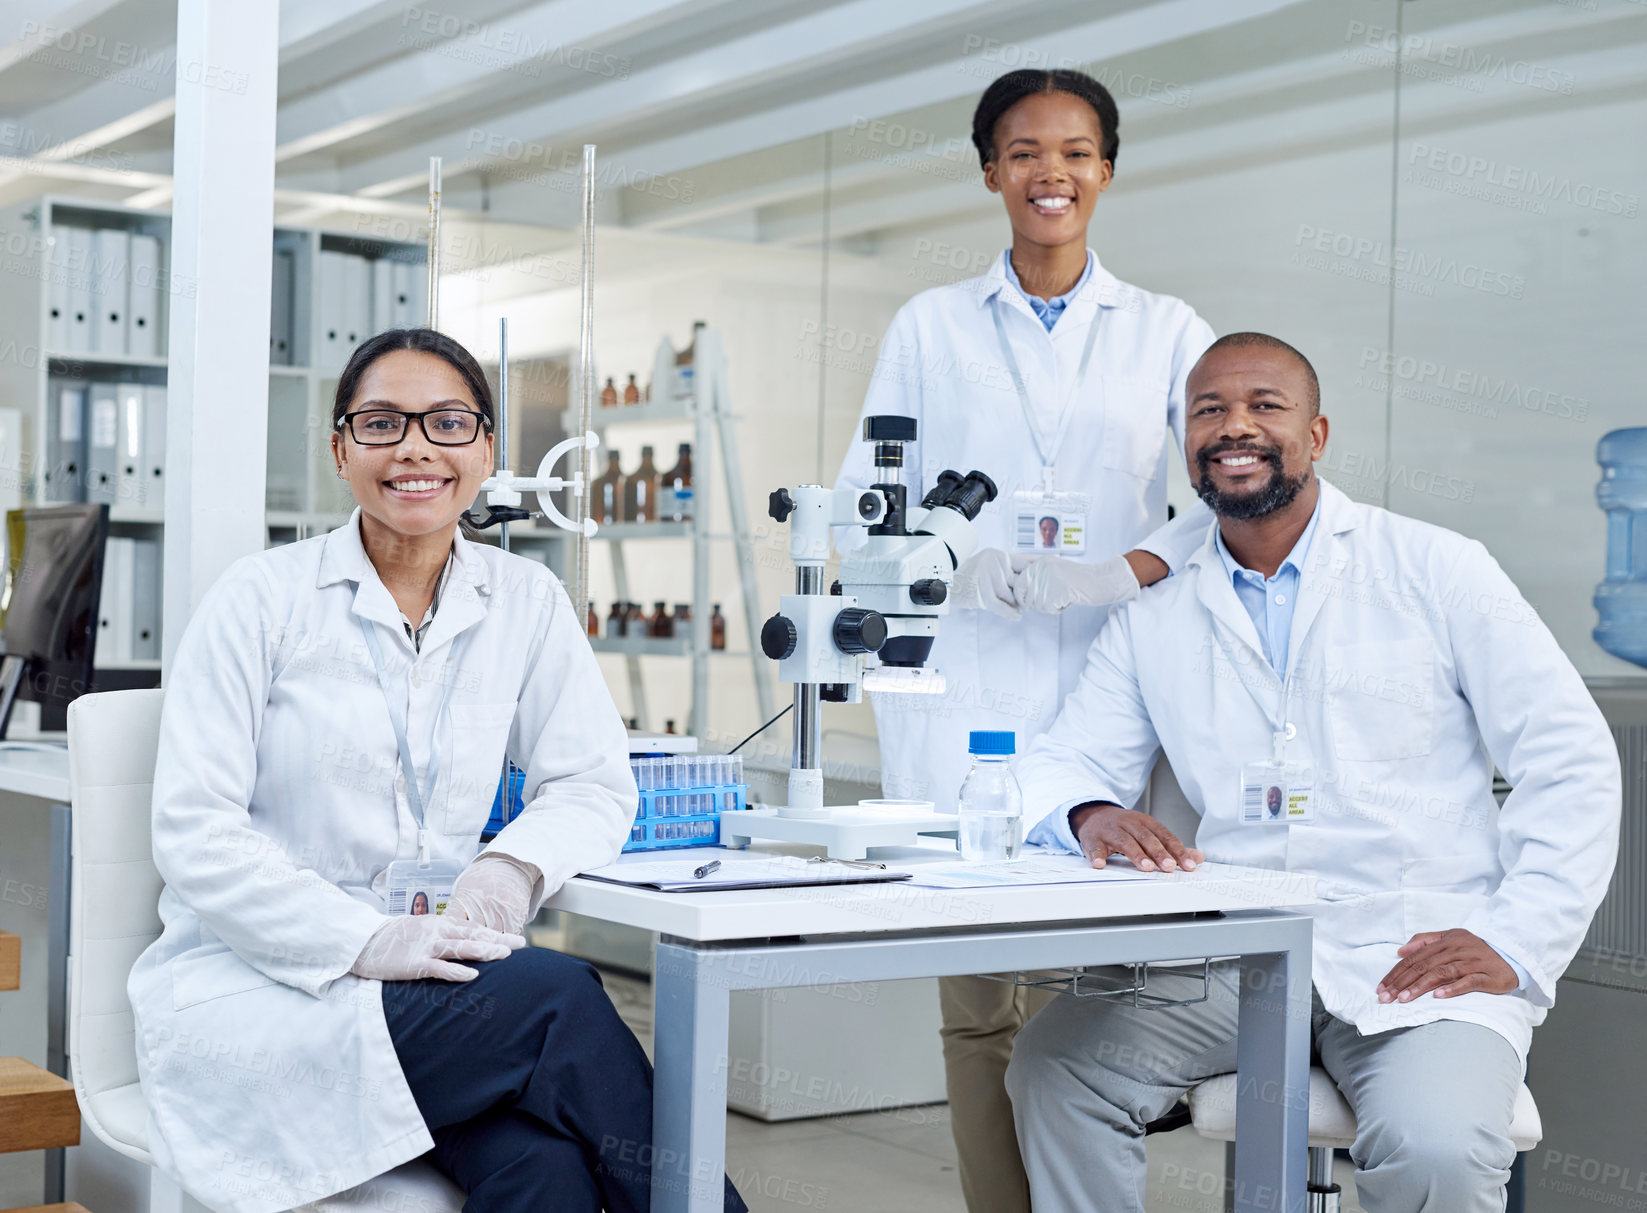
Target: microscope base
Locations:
point(845, 831)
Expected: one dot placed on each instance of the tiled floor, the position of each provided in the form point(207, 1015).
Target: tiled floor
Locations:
point(903, 1161)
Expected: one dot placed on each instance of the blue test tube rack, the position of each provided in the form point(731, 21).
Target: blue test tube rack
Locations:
point(682, 799)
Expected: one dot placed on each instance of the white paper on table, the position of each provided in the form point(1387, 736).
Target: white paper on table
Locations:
point(675, 875)
point(1032, 869)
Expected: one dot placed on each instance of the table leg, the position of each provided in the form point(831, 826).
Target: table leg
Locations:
point(1273, 1080)
point(690, 1046)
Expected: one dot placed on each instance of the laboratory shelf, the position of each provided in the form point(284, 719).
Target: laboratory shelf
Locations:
point(135, 515)
point(89, 358)
point(679, 409)
point(644, 530)
point(643, 646)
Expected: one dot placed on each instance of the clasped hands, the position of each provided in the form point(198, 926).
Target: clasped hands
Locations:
point(484, 920)
point(1009, 585)
point(1445, 963)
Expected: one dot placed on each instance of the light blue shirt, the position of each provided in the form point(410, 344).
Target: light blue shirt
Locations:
point(1048, 309)
point(1271, 600)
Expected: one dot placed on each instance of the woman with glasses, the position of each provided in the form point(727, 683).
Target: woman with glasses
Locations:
point(335, 727)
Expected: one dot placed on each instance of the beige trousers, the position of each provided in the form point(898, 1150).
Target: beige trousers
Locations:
point(981, 1019)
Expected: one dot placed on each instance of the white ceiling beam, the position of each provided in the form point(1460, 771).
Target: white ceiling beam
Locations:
point(307, 26)
point(48, 15)
point(435, 75)
point(769, 56)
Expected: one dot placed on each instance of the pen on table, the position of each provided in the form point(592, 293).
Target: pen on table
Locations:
point(700, 873)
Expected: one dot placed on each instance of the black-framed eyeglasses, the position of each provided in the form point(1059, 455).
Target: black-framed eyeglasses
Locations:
point(386, 427)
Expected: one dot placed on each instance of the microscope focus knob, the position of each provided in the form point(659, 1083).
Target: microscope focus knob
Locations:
point(859, 631)
point(929, 591)
point(778, 637)
point(780, 505)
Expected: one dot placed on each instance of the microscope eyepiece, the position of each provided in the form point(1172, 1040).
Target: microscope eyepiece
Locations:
point(947, 480)
point(965, 496)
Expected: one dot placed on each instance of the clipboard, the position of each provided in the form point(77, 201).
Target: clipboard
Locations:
point(775, 872)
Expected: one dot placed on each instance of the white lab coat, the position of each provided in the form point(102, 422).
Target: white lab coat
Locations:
point(267, 1068)
point(941, 364)
point(1416, 666)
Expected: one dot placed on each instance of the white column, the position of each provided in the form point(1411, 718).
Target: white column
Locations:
point(222, 220)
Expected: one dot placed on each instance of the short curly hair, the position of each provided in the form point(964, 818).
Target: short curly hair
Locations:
point(1013, 87)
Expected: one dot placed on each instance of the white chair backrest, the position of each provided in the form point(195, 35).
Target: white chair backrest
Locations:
point(114, 886)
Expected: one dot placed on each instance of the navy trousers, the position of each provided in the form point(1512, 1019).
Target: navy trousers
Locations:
point(537, 1094)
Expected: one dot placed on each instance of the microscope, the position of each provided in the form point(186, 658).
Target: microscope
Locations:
point(874, 627)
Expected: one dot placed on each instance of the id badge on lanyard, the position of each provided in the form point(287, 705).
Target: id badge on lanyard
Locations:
point(1277, 791)
point(415, 886)
point(1045, 521)
point(1050, 523)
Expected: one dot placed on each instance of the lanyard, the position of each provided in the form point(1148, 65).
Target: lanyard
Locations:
point(416, 796)
point(1049, 455)
point(1281, 729)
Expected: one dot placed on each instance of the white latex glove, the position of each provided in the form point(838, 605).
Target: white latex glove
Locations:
point(984, 582)
point(414, 946)
point(1051, 584)
point(493, 891)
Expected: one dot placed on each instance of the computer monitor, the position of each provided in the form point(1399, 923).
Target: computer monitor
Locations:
point(48, 607)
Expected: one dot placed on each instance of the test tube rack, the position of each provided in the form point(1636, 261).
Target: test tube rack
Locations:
point(682, 798)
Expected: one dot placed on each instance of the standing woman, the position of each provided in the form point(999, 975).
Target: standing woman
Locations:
point(1066, 386)
point(326, 767)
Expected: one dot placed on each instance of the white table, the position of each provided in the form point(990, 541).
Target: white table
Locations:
point(714, 943)
point(42, 777)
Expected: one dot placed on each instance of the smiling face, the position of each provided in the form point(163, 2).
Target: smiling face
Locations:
point(1049, 532)
point(1048, 168)
point(1251, 432)
point(414, 487)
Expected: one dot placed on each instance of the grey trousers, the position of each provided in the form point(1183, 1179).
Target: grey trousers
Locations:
point(1432, 1103)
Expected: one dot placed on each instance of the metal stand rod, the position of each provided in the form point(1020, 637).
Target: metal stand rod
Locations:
point(1321, 1194)
point(434, 242)
point(586, 385)
point(503, 414)
point(808, 723)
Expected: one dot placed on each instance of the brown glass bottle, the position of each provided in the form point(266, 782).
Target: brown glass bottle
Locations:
point(640, 491)
point(594, 620)
point(614, 620)
point(609, 395)
point(607, 505)
point(631, 390)
point(717, 629)
point(661, 626)
point(675, 487)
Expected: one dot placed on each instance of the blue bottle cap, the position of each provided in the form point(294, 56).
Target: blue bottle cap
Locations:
point(990, 742)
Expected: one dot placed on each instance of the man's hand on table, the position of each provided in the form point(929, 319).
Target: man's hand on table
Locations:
point(1449, 963)
point(1108, 829)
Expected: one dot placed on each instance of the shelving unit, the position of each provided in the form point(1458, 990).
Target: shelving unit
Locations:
point(696, 396)
point(303, 496)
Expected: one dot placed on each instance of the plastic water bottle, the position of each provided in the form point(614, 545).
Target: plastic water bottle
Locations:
point(991, 807)
point(1621, 600)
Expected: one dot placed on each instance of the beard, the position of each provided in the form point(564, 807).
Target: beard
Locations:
point(1276, 493)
